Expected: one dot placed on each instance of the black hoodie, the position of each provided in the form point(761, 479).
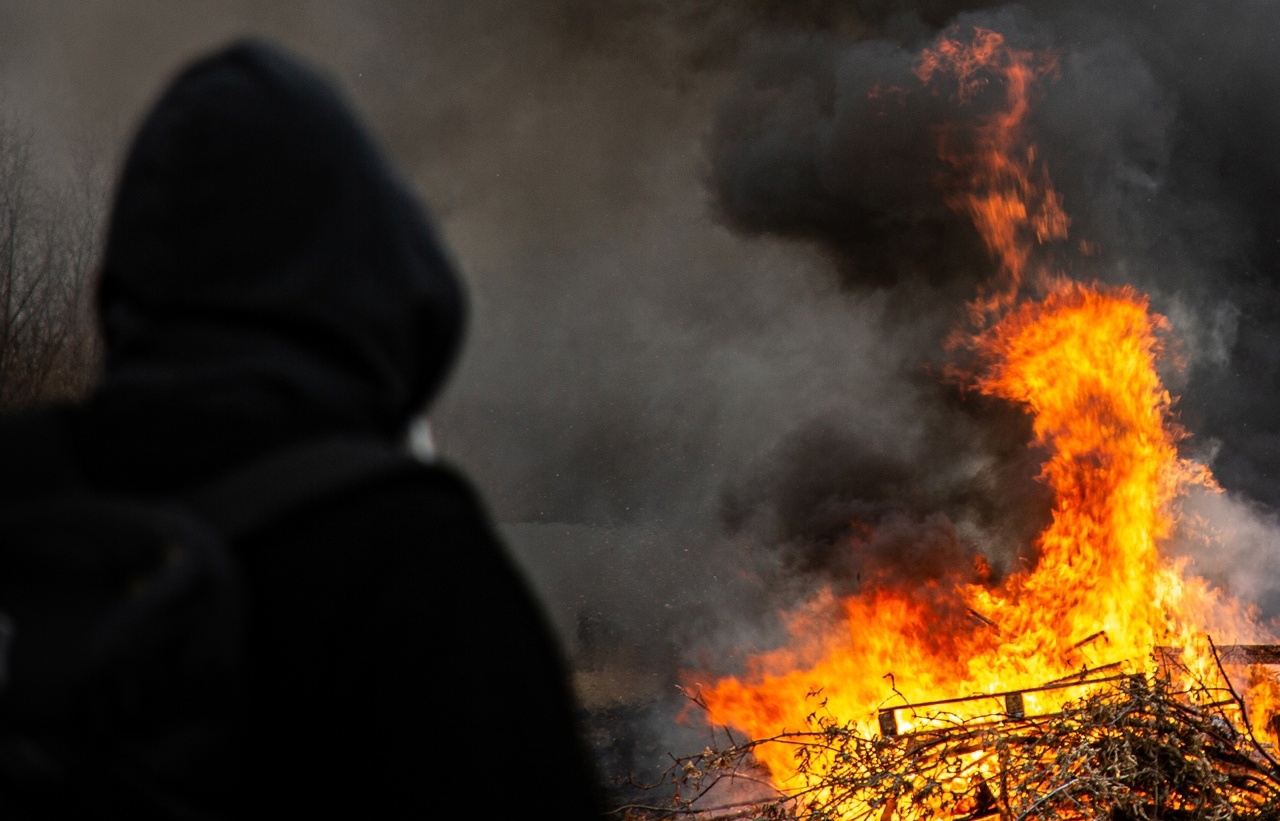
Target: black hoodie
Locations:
point(268, 276)
point(265, 263)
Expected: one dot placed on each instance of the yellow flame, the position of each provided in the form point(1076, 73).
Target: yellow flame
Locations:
point(1082, 361)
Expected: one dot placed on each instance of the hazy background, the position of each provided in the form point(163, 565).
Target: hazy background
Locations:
point(710, 274)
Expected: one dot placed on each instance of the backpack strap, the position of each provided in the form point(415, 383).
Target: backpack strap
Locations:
point(251, 496)
point(237, 503)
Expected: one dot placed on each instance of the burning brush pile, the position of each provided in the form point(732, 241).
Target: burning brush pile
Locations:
point(1097, 683)
point(1165, 746)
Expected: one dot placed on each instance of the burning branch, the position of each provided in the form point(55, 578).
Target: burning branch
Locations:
point(1133, 747)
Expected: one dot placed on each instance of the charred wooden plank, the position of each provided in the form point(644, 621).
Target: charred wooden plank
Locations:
point(1249, 654)
point(1242, 654)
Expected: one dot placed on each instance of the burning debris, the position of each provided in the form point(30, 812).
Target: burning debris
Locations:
point(1132, 746)
point(1079, 686)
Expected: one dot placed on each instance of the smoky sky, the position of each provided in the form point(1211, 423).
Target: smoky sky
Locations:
point(1156, 130)
point(711, 272)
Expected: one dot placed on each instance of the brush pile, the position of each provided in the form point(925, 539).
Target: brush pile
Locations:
point(1134, 747)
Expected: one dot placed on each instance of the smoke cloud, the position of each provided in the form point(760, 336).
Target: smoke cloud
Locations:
point(712, 273)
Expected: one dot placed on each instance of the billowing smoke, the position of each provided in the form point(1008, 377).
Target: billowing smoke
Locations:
point(1154, 128)
point(712, 271)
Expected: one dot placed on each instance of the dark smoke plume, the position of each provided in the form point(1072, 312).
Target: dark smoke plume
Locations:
point(1155, 131)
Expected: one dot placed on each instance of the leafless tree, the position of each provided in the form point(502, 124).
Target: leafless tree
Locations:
point(48, 244)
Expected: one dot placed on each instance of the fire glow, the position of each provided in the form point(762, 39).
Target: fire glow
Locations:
point(1083, 360)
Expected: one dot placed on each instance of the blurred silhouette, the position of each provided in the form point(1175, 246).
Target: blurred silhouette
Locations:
point(269, 279)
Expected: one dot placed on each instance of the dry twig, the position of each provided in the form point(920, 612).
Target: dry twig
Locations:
point(1132, 749)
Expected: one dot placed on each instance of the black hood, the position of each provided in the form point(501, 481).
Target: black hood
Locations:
point(264, 258)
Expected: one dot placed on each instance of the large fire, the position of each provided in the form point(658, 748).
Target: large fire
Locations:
point(1083, 360)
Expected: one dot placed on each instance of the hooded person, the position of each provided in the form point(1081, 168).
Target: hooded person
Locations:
point(269, 278)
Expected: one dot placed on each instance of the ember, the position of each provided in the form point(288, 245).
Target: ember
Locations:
point(1085, 686)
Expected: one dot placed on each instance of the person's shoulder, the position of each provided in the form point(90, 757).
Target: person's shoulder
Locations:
point(344, 483)
point(35, 452)
point(445, 475)
point(432, 482)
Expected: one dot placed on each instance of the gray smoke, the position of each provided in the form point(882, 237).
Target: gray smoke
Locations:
point(711, 276)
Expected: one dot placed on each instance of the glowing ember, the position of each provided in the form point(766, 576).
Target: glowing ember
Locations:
point(1082, 360)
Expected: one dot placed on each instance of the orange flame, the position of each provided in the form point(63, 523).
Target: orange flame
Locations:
point(1082, 360)
point(1003, 189)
